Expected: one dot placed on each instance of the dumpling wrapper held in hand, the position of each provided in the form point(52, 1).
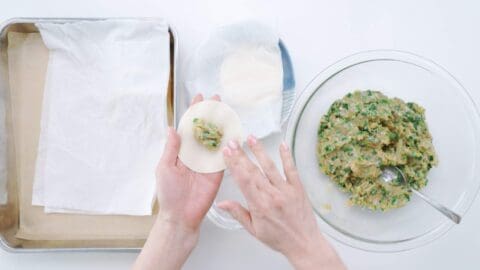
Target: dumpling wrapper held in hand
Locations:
point(192, 153)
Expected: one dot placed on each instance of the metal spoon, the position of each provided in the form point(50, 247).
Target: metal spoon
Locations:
point(390, 173)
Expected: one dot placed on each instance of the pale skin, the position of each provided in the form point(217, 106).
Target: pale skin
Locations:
point(278, 213)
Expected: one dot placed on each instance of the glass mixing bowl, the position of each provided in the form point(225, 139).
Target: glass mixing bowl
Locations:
point(453, 121)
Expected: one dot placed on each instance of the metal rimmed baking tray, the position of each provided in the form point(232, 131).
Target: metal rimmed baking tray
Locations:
point(9, 213)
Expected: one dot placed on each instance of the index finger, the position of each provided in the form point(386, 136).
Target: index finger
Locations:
point(244, 172)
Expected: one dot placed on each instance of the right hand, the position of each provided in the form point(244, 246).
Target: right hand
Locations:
point(279, 213)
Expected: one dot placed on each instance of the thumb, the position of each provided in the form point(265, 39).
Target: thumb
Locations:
point(172, 147)
point(239, 213)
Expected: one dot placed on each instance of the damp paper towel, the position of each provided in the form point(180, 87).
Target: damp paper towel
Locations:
point(104, 116)
point(243, 64)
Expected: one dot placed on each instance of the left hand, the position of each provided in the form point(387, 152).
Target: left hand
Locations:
point(184, 196)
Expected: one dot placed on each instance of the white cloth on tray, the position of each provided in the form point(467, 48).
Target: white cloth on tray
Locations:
point(104, 116)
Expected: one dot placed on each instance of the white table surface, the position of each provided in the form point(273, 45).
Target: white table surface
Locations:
point(317, 34)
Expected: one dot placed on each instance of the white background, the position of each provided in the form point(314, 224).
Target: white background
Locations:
point(317, 34)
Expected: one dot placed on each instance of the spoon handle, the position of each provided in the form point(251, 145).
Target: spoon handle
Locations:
point(442, 209)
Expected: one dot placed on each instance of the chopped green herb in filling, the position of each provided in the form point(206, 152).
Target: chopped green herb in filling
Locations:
point(207, 134)
point(365, 131)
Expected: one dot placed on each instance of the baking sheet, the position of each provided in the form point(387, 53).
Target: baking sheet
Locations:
point(35, 229)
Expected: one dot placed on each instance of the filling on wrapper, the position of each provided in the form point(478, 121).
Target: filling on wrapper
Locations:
point(205, 128)
point(207, 133)
point(365, 131)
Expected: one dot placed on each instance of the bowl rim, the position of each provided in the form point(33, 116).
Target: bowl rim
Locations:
point(467, 197)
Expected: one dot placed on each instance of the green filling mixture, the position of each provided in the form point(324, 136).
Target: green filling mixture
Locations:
point(365, 131)
point(207, 134)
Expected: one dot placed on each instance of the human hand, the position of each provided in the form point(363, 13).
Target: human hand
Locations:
point(184, 196)
point(279, 213)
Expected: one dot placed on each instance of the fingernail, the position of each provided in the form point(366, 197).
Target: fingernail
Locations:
point(284, 146)
point(251, 140)
point(233, 145)
point(222, 206)
point(195, 97)
point(227, 152)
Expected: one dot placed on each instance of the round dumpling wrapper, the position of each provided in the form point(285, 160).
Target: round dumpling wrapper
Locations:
point(195, 155)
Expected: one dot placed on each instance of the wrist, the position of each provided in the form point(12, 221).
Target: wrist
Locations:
point(175, 232)
point(168, 245)
point(314, 253)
